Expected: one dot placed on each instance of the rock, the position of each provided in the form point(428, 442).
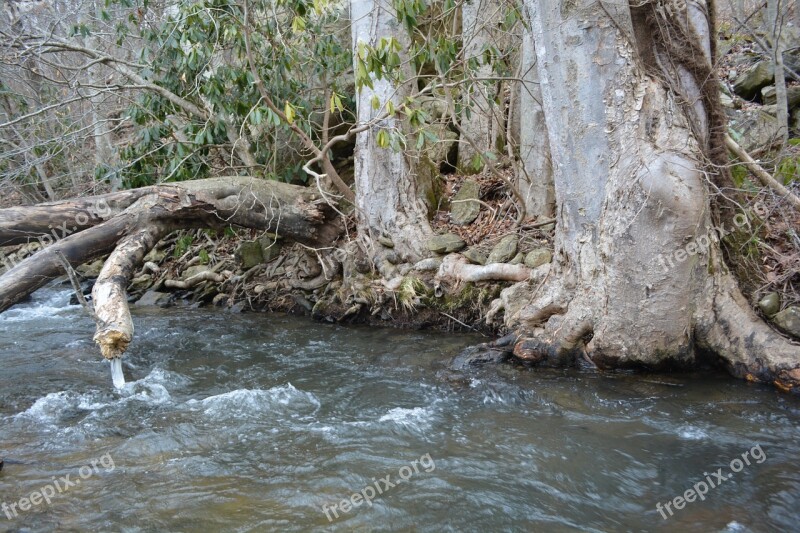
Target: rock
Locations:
point(477, 356)
point(792, 95)
point(788, 321)
point(475, 256)
point(249, 254)
point(392, 257)
point(519, 258)
point(791, 57)
point(386, 241)
point(463, 210)
point(160, 299)
point(504, 250)
point(749, 84)
point(90, 270)
point(770, 304)
point(238, 307)
point(431, 263)
point(446, 244)
point(140, 283)
point(548, 227)
point(538, 257)
point(270, 248)
point(726, 101)
point(435, 106)
point(193, 270)
point(155, 256)
point(757, 129)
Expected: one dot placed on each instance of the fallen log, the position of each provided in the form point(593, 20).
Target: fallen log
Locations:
point(135, 221)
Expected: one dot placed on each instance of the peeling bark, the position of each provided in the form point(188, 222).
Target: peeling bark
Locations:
point(631, 127)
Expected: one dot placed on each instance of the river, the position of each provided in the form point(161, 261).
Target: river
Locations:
point(259, 422)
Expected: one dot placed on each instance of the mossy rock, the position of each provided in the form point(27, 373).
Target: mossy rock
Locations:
point(249, 254)
point(270, 248)
point(788, 321)
point(504, 250)
point(475, 256)
point(465, 208)
point(538, 257)
point(446, 244)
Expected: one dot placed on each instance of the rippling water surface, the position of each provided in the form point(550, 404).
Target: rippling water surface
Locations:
point(255, 422)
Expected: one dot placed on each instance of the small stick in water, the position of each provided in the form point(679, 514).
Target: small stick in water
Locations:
point(116, 373)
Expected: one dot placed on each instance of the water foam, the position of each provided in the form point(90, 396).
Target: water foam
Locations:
point(45, 304)
point(417, 418)
point(253, 403)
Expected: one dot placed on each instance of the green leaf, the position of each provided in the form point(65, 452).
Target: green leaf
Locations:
point(298, 24)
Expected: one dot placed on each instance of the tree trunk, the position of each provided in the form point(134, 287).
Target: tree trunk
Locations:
point(128, 224)
point(105, 155)
point(636, 279)
point(775, 29)
point(536, 172)
point(387, 197)
point(481, 122)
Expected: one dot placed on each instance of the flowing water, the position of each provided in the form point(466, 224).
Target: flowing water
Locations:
point(256, 422)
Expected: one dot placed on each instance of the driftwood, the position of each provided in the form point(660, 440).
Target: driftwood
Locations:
point(128, 224)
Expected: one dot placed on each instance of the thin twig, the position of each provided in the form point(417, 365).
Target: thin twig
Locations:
point(73, 278)
point(759, 172)
point(463, 324)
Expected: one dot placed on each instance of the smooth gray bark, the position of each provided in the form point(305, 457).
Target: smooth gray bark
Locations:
point(387, 197)
point(637, 278)
point(482, 123)
point(536, 173)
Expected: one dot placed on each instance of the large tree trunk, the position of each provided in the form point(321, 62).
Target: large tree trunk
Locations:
point(387, 197)
point(627, 151)
point(128, 224)
point(536, 172)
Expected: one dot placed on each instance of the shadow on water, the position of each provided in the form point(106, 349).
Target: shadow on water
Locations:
point(257, 422)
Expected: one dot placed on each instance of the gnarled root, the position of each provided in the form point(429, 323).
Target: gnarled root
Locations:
point(750, 348)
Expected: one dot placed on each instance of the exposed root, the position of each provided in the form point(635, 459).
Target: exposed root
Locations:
point(198, 278)
point(456, 267)
point(751, 349)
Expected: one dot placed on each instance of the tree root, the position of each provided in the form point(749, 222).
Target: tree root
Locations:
point(750, 348)
point(456, 267)
point(198, 278)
